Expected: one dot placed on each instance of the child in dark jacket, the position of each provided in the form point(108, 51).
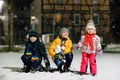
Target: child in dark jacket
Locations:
point(34, 52)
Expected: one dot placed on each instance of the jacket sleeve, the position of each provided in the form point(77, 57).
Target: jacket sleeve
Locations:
point(51, 49)
point(98, 46)
point(80, 43)
point(28, 49)
point(68, 46)
point(42, 49)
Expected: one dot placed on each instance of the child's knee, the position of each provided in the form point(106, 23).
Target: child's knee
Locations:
point(58, 62)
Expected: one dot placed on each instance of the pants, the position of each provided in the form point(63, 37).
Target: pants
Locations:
point(68, 60)
point(29, 63)
point(84, 63)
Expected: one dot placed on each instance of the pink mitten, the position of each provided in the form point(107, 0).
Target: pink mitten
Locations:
point(79, 46)
point(100, 52)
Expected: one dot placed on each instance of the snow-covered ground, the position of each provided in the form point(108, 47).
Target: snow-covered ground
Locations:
point(108, 68)
point(112, 48)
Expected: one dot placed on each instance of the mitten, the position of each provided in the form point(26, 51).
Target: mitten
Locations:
point(100, 52)
point(34, 58)
point(58, 56)
point(79, 45)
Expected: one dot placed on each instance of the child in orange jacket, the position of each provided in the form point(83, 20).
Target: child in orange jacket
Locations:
point(61, 50)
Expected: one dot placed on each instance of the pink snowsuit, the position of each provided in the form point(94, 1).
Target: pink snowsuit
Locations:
point(89, 55)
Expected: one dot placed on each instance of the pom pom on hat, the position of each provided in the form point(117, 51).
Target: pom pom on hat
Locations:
point(62, 30)
point(90, 24)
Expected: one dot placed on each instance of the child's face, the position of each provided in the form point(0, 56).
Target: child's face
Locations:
point(90, 30)
point(65, 34)
point(33, 38)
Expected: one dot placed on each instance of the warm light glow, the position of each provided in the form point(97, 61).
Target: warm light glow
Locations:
point(33, 17)
point(58, 17)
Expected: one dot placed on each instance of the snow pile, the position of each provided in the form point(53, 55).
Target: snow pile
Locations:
point(113, 47)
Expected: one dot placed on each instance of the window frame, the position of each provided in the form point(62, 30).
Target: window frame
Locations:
point(77, 19)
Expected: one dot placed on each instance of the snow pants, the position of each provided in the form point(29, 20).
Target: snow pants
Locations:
point(68, 60)
point(91, 58)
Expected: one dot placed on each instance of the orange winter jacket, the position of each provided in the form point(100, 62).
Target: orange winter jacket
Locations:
point(68, 46)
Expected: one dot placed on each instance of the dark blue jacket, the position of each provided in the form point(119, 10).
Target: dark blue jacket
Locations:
point(37, 48)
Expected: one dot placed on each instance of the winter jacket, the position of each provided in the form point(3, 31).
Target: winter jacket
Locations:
point(36, 48)
point(86, 49)
point(58, 41)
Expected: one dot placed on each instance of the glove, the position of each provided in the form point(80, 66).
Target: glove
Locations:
point(34, 58)
point(58, 56)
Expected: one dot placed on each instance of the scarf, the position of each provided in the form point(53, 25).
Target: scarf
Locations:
point(89, 40)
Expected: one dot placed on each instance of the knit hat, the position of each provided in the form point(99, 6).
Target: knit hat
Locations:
point(90, 24)
point(33, 33)
point(62, 30)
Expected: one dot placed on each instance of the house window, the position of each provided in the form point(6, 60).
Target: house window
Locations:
point(96, 18)
point(58, 1)
point(96, 1)
point(77, 1)
point(77, 19)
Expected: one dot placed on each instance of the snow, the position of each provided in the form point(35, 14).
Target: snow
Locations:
point(108, 68)
point(113, 47)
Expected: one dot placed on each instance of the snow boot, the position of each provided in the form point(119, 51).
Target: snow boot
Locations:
point(93, 74)
point(82, 73)
point(26, 69)
point(65, 68)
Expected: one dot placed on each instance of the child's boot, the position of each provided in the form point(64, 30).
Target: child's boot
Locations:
point(26, 69)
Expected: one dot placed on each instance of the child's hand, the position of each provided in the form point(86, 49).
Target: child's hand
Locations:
point(79, 45)
point(34, 58)
point(100, 52)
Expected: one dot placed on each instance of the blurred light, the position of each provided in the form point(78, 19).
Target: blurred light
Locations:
point(33, 17)
point(58, 17)
point(113, 26)
point(1, 5)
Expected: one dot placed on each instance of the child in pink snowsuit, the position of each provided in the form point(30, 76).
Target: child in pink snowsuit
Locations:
point(89, 45)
